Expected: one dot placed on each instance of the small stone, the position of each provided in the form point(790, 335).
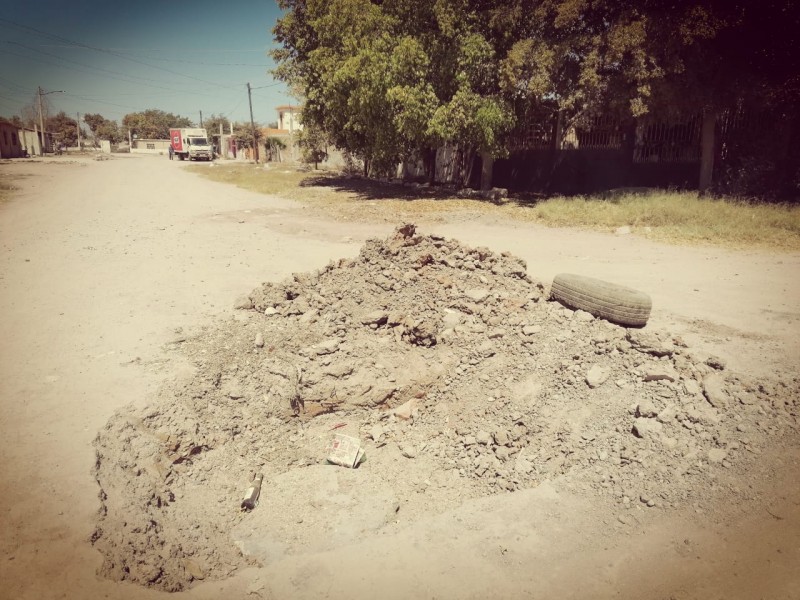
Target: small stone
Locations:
point(259, 341)
point(193, 569)
point(270, 310)
point(405, 411)
point(409, 451)
point(715, 362)
point(596, 376)
point(483, 438)
point(469, 440)
point(376, 432)
point(243, 303)
point(660, 373)
point(717, 455)
point(714, 391)
point(235, 393)
point(477, 294)
point(501, 438)
point(531, 329)
point(667, 415)
point(669, 442)
point(646, 408)
point(624, 519)
point(582, 315)
point(376, 317)
point(502, 453)
point(327, 347)
point(646, 428)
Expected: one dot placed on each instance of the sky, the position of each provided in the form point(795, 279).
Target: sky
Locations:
point(115, 58)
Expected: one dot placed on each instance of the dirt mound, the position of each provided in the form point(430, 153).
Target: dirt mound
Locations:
point(459, 378)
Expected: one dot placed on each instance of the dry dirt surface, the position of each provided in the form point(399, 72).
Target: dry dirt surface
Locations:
point(165, 338)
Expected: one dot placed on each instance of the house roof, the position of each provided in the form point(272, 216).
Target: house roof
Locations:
point(273, 132)
point(289, 107)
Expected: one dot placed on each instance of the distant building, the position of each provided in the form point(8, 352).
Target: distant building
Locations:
point(17, 142)
point(10, 146)
point(289, 123)
point(144, 146)
point(289, 117)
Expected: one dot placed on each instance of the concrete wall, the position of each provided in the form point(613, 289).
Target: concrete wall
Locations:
point(150, 147)
point(30, 142)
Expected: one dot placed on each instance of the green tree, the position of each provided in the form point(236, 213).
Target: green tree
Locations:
point(392, 78)
point(212, 125)
point(243, 134)
point(313, 143)
point(64, 127)
point(153, 123)
point(104, 129)
point(375, 75)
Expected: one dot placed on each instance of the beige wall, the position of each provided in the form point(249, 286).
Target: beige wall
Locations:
point(150, 147)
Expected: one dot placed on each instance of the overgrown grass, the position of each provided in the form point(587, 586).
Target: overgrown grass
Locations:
point(680, 217)
point(673, 217)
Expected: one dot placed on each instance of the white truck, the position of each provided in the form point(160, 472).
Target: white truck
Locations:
point(191, 143)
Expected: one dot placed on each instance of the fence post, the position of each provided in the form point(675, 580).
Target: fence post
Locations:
point(707, 150)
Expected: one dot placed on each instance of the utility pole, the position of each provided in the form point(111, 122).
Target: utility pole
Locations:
point(201, 118)
point(252, 123)
point(79, 132)
point(40, 93)
point(41, 120)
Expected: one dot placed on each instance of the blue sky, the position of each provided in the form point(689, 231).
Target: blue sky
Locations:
point(114, 58)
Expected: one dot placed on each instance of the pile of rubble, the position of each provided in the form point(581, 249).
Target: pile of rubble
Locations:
point(459, 378)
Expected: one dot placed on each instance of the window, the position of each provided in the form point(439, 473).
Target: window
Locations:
point(151, 146)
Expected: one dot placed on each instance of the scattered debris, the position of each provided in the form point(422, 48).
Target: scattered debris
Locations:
point(252, 495)
point(345, 451)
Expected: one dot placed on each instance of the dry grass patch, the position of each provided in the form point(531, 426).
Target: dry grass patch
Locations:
point(680, 217)
point(673, 217)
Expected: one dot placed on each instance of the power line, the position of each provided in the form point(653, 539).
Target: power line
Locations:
point(106, 51)
point(90, 69)
point(176, 60)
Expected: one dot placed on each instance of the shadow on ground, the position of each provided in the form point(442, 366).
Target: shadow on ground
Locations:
point(372, 189)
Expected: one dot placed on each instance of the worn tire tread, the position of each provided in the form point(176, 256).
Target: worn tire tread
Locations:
point(618, 304)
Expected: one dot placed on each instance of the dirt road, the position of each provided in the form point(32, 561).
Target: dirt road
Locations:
point(104, 261)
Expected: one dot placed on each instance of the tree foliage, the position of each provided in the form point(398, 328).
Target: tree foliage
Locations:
point(391, 79)
point(65, 128)
point(104, 129)
point(313, 143)
point(212, 124)
point(153, 124)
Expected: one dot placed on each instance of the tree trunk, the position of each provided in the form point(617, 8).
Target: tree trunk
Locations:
point(555, 147)
point(468, 160)
point(487, 165)
point(429, 162)
point(707, 151)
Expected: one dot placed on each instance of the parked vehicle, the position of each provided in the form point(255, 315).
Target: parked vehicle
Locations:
point(191, 143)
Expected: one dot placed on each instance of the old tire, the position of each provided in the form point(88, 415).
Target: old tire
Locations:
point(615, 303)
